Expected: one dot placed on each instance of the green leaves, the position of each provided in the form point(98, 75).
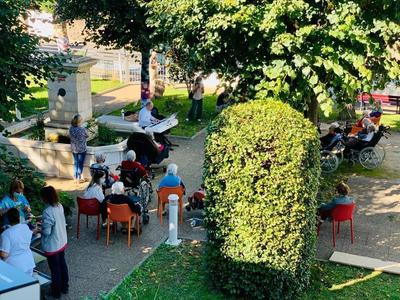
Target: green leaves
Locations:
point(20, 58)
point(261, 174)
point(336, 44)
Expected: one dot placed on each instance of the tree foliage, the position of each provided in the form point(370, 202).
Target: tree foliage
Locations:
point(20, 60)
point(261, 174)
point(112, 23)
point(302, 51)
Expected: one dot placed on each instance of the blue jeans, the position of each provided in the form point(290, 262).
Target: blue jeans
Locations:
point(79, 159)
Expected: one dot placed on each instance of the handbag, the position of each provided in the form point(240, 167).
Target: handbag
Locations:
point(191, 95)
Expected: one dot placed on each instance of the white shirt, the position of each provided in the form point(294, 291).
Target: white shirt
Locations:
point(145, 117)
point(16, 241)
point(95, 191)
point(369, 137)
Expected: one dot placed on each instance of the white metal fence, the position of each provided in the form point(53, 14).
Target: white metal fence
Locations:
point(114, 64)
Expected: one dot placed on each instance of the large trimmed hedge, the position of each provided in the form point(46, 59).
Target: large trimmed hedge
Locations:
point(261, 175)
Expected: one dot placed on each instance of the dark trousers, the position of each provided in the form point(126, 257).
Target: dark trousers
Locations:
point(79, 159)
point(59, 274)
point(196, 110)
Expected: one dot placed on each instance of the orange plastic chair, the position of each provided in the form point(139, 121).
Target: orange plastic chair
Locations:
point(163, 194)
point(121, 213)
point(88, 207)
point(357, 129)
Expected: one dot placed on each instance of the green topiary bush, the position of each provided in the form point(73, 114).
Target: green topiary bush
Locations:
point(261, 176)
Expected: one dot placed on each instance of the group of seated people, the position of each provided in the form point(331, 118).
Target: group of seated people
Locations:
point(96, 187)
point(366, 132)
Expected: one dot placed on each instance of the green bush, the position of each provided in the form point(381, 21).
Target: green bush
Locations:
point(261, 175)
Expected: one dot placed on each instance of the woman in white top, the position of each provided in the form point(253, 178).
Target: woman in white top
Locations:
point(196, 110)
point(95, 190)
point(15, 244)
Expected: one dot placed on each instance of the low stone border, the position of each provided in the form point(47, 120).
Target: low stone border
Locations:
point(188, 137)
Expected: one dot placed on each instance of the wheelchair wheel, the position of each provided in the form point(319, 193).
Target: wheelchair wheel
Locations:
point(329, 161)
point(338, 150)
point(381, 150)
point(370, 158)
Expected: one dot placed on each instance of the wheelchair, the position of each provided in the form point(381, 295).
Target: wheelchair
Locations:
point(138, 186)
point(369, 154)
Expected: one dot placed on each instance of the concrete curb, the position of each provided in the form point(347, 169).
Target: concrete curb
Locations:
point(188, 137)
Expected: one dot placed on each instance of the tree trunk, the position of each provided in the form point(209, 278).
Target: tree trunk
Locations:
point(145, 73)
point(313, 111)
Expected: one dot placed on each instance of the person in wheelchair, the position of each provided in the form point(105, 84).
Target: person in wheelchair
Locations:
point(331, 137)
point(100, 167)
point(147, 150)
point(132, 171)
point(361, 139)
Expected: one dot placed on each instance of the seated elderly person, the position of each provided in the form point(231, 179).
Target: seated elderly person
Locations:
point(377, 110)
point(364, 121)
point(15, 244)
point(118, 196)
point(342, 197)
point(95, 191)
point(100, 167)
point(131, 164)
point(171, 179)
point(145, 116)
point(329, 138)
point(361, 137)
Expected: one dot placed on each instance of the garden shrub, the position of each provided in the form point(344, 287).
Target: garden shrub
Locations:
point(261, 175)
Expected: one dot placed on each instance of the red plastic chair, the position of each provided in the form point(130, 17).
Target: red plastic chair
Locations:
point(121, 213)
point(163, 194)
point(88, 207)
point(341, 213)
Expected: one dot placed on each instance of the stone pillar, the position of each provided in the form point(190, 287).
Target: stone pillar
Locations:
point(70, 94)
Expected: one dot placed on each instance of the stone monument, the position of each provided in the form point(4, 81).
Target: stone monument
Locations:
point(69, 94)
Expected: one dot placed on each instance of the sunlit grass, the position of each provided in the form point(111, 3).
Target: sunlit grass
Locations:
point(179, 273)
point(40, 102)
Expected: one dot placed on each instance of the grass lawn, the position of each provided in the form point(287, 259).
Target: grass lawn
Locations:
point(176, 100)
point(178, 273)
point(40, 103)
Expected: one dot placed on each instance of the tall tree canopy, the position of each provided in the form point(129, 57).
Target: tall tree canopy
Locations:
point(112, 23)
point(305, 52)
point(20, 60)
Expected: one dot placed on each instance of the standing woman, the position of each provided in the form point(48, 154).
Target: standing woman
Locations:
point(54, 240)
point(196, 110)
point(78, 136)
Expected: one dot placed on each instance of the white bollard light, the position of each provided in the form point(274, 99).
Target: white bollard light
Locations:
point(173, 221)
